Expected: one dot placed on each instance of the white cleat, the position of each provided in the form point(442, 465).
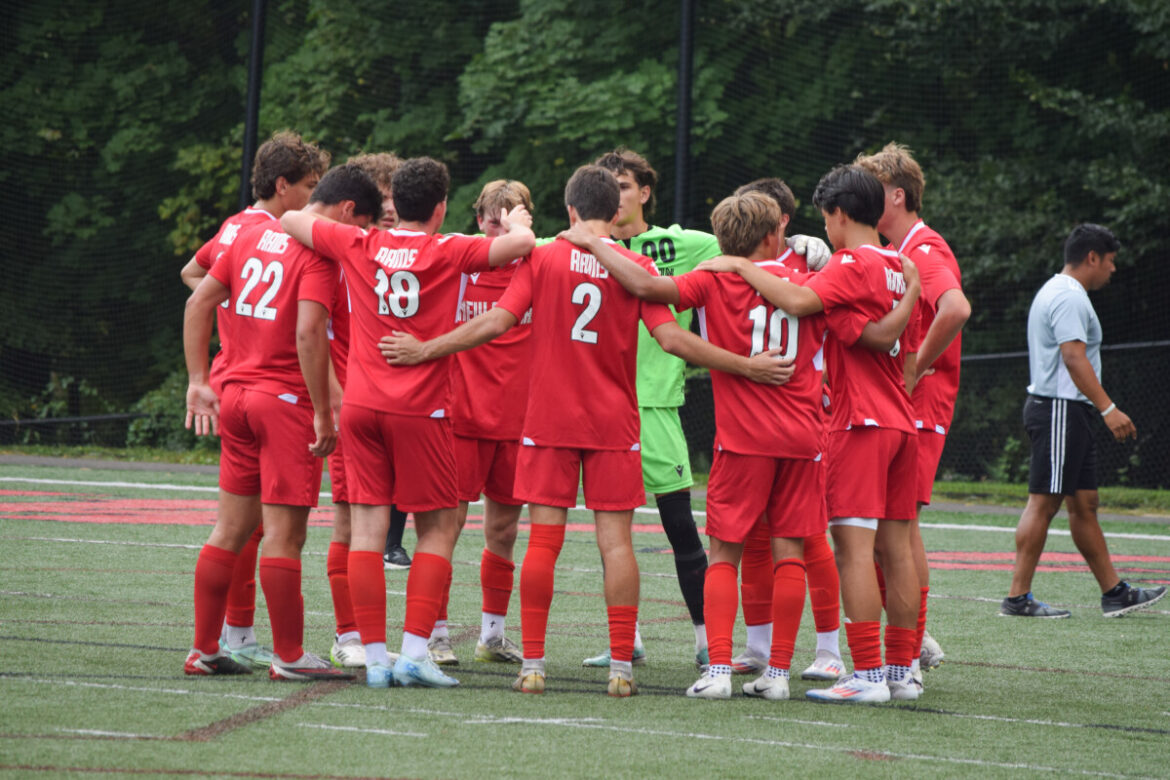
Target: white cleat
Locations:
point(765, 687)
point(852, 690)
point(906, 689)
point(932, 654)
point(711, 686)
point(826, 666)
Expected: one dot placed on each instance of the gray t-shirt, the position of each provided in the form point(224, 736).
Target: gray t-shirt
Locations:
point(1060, 312)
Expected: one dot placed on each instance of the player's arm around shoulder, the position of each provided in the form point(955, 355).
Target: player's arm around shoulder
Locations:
point(637, 280)
point(795, 299)
point(764, 368)
point(519, 239)
point(883, 335)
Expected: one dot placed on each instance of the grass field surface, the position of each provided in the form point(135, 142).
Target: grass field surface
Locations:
point(96, 571)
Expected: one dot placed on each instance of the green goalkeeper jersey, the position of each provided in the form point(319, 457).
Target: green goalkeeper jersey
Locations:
point(675, 251)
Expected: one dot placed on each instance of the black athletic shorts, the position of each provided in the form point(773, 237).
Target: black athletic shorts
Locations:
point(1064, 453)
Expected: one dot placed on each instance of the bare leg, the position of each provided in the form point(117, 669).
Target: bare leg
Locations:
point(1087, 536)
point(859, 588)
point(892, 544)
point(1031, 533)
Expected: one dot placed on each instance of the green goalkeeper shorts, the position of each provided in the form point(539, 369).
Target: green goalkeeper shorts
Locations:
point(666, 466)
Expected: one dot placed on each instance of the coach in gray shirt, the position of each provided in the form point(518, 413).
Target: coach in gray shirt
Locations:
point(1064, 398)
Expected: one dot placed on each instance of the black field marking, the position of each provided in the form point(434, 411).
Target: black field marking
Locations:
point(262, 712)
point(119, 645)
point(61, 770)
point(1038, 722)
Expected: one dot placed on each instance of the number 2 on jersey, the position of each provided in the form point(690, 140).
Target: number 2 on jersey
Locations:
point(589, 294)
point(403, 287)
point(782, 329)
point(255, 273)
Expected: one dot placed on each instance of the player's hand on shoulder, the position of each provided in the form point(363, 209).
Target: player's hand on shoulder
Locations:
point(326, 432)
point(767, 369)
point(722, 264)
point(1120, 425)
point(816, 252)
point(402, 349)
point(909, 272)
point(202, 410)
point(579, 234)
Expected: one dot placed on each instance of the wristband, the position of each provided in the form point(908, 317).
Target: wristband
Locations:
point(1108, 409)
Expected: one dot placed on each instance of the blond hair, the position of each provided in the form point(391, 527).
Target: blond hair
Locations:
point(741, 222)
point(379, 166)
point(894, 166)
point(502, 194)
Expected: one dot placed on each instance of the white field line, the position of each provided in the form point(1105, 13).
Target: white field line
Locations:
point(113, 734)
point(640, 510)
point(384, 732)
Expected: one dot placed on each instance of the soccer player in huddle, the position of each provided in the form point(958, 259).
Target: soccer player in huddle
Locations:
point(582, 414)
point(395, 419)
point(284, 172)
point(348, 650)
point(932, 373)
point(275, 420)
point(820, 565)
point(490, 395)
point(872, 458)
point(768, 439)
point(666, 467)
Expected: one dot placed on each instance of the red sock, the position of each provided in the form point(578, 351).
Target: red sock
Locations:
point(496, 577)
point(623, 622)
point(787, 604)
point(446, 597)
point(720, 603)
point(367, 593)
point(899, 646)
point(881, 580)
point(536, 585)
point(865, 643)
point(281, 580)
point(920, 629)
point(824, 584)
point(337, 568)
point(756, 572)
point(430, 575)
point(213, 577)
point(241, 596)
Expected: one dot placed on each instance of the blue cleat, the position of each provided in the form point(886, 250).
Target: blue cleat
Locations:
point(409, 671)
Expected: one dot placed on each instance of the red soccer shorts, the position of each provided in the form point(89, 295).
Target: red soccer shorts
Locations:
point(550, 475)
point(399, 459)
point(873, 473)
point(337, 483)
point(743, 487)
point(930, 449)
point(489, 467)
point(264, 448)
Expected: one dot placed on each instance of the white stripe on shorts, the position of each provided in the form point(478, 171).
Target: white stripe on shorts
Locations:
point(1057, 445)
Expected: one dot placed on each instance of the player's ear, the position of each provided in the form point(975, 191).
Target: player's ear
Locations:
point(574, 217)
point(282, 185)
point(644, 195)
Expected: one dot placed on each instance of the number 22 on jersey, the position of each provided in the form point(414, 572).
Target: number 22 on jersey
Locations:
point(254, 272)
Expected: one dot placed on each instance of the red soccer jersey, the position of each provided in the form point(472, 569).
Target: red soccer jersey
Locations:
point(753, 419)
point(491, 381)
point(206, 256)
point(935, 394)
point(267, 273)
point(857, 286)
point(406, 281)
point(584, 347)
point(339, 328)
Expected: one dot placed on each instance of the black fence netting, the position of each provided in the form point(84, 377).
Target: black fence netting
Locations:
point(124, 127)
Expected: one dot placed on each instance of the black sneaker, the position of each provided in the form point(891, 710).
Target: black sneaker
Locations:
point(1030, 607)
point(1131, 599)
point(396, 558)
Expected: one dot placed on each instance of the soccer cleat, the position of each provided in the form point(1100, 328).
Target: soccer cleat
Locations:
point(765, 687)
point(529, 681)
point(218, 663)
point(308, 667)
point(421, 671)
point(711, 686)
point(621, 684)
point(604, 659)
point(396, 558)
point(906, 689)
point(932, 655)
point(1131, 599)
point(1030, 607)
point(748, 662)
point(440, 652)
point(852, 690)
point(379, 676)
point(827, 665)
point(254, 655)
point(498, 649)
point(351, 653)
point(702, 660)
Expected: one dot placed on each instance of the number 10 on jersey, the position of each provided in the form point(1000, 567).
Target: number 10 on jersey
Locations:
point(782, 330)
